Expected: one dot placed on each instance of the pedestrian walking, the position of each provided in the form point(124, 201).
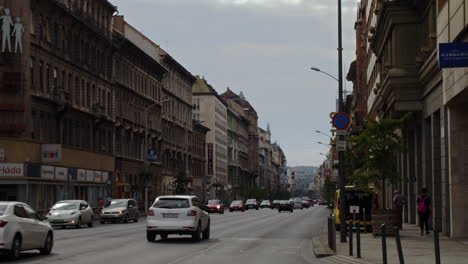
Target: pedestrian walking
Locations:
point(398, 202)
point(424, 210)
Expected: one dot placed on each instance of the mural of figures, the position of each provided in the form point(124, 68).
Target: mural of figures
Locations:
point(7, 23)
point(18, 33)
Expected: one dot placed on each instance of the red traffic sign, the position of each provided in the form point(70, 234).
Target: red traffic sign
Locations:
point(341, 121)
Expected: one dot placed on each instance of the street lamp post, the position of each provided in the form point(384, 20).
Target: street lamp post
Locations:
point(341, 176)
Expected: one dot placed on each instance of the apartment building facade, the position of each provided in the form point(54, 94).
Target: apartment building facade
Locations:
point(57, 118)
point(211, 109)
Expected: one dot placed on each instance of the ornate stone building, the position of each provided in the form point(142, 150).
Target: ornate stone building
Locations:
point(176, 122)
point(198, 150)
point(57, 102)
point(138, 76)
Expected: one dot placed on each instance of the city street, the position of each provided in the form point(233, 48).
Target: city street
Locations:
point(263, 236)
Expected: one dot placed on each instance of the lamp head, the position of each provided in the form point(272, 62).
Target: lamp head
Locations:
point(315, 69)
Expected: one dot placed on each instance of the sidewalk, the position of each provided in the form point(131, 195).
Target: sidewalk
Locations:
point(417, 249)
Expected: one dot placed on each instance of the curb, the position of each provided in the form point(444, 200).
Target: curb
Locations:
point(320, 247)
point(340, 259)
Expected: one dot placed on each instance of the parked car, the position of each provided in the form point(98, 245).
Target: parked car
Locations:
point(275, 204)
point(265, 204)
point(285, 206)
point(215, 206)
point(117, 210)
point(305, 204)
point(251, 204)
point(71, 213)
point(21, 229)
point(298, 205)
point(237, 205)
point(177, 214)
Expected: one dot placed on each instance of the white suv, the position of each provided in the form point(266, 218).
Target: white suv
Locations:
point(21, 228)
point(177, 214)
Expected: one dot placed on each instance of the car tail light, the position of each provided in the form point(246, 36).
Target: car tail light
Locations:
point(150, 213)
point(192, 213)
point(3, 223)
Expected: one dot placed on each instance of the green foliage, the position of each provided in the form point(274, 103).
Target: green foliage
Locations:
point(373, 158)
point(329, 188)
point(181, 183)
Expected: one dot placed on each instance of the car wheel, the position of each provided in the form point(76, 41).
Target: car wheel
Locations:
point(102, 222)
point(91, 222)
point(206, 233)
point(126, 219)
point(292, 210)
point(150, 236)
point(63, 227)
point(48, 244)
point(243, 210)
point(230, 210)
point(163, 236)
point(15, 251)
point(257, 208)
point(196, 236)
point(78, 224)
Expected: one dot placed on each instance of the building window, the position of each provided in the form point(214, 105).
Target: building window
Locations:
point(41, 76)
point(48, 72)
point(31, 73)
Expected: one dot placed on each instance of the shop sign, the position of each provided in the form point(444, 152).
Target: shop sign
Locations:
point(81, 175)
point(98, 176)
point(89, 175)
point(51, 152)
point(47, 172)
point(453, 55)
point(11, 169)
point(61, 173)
point(2, 154)
point(105, 176)
point(210, 158)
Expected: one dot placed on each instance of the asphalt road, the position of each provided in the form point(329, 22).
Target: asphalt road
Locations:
point(260, 237)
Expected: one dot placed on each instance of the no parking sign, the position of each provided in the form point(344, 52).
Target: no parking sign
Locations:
point(341, 121)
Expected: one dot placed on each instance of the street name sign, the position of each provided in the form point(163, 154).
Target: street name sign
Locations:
point(341, 121)
point(453, 55)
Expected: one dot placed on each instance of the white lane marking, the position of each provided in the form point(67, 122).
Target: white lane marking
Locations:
point(236, 236)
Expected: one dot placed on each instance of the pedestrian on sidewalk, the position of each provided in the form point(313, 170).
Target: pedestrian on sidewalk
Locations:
point(424, 210)
point(398, 202)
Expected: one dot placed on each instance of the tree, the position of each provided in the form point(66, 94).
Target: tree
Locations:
point(374, 150)
point(181, 183)
point(329, 188)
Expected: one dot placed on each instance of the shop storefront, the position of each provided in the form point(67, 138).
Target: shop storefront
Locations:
point(42, 185)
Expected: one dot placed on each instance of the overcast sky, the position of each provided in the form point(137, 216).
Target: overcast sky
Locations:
point(263, 48)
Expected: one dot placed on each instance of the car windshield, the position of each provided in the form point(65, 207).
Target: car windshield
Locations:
point(265, 202)
point(236, 202)
point(251, 201)
point(117, 204)
point(172, 203)
point(2, 209)
point(66, 206)
point(213, 202)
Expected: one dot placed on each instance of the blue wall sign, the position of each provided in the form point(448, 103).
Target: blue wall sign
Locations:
point(341, 121)
point(152, 155)
point(453, 55)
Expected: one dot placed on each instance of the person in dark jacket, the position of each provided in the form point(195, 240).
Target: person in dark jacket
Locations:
point(398, 203)
point(424, 210)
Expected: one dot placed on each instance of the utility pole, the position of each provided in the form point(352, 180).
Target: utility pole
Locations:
point(341, 176)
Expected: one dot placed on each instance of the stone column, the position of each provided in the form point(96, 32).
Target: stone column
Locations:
point(445, 181)
point(436, 172)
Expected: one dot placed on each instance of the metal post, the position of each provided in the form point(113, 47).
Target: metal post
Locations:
point(436, 246)
point(350, 224)
point(358, 239)
point(364, 219)
point(330, 232)
point(341, 178)
point(333, 229)
point(384, 243)
point(398, 243)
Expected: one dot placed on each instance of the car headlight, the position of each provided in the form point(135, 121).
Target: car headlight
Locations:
point(122, 212)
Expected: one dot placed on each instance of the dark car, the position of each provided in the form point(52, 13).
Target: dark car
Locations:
point(251, 204)
point(275, 204)
point(285, 206)
point(215, 206)
point(237, 205)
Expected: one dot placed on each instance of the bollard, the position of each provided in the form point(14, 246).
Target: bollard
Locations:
point(384, 243)
point(358, 239)
point(350, 224)
point(398, 244)
point(333, 229)
point(436, 246)
point(330, 232)
point(364, 219)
